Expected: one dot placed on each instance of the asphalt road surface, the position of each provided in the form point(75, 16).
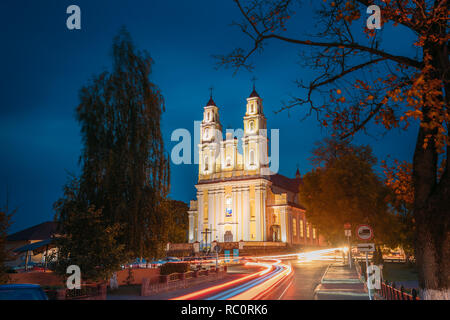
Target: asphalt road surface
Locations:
point(306, 277)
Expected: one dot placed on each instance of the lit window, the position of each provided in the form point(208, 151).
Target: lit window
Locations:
point(301, 228)
point(294, 227)
point(314, 233)
point(252, 158)
point(228, 208)
point(307, 230)
point(206, 163)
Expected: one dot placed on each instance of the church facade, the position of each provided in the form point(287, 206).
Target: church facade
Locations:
point(238, 198)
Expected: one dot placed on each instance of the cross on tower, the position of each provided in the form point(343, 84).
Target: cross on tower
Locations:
point(254, 82)
point(211, 91)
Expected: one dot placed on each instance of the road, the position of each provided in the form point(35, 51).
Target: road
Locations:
point(287, 277)
point(291, 277)
point(305, 279)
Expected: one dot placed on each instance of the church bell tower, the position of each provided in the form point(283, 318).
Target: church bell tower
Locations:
point(254, 142)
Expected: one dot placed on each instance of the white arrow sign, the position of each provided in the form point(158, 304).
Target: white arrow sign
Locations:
point(366, 247)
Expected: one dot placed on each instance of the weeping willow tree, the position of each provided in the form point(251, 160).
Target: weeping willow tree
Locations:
point(125, 172)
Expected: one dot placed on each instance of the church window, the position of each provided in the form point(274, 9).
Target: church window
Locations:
point(228, 161)
point(206, 163)
point(294, 227)
point(251, 108)
point(251, 126)
point(206, 133)
point(314, 233)
point(307, 230)
point(301, 228)
point(252, 157)
point(228, 207)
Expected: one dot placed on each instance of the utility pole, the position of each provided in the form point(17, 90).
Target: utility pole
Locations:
point(348, 234)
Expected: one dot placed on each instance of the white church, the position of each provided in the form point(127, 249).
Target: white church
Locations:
point(237, 197)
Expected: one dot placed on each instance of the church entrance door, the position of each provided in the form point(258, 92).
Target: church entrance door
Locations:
point(228, 237)
point(275, 231)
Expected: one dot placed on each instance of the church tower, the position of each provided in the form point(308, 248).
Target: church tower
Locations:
point(254, 142)
point(210, 138)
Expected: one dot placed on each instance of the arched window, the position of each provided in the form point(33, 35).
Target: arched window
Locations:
point(302, 227)
point(209, 116)
point(252, 157)
point(206, 133)
point(228, 161)
point(206, 163)
point(294, 227)
point(251, 126)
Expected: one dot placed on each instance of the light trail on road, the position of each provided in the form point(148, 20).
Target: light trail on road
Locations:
point(260, 284)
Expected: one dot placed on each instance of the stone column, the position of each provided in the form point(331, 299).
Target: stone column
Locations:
point(191, 227)
point(201, 211)
point(221, 213)
point(217, 215)
point(283, 224)
point(239, 213)
point(258, 236)
point(211, 195)
point(263, 215)
point(246, 210)
point(235, 226)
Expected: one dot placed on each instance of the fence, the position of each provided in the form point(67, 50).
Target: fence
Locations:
point(181, 280)
point(389, 292)
point(86, 292)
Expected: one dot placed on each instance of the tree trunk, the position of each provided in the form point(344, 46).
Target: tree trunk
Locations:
point(432, 196)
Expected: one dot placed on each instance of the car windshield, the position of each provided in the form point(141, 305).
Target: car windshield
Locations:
point(21, 294)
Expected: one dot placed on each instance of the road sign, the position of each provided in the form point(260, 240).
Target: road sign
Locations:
point(366, 247)
point(347, 226)
point(348, 233)
point(364, 232)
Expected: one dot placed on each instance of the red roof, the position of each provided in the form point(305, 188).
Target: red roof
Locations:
point(285, 182)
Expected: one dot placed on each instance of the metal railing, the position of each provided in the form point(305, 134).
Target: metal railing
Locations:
point(389, 292)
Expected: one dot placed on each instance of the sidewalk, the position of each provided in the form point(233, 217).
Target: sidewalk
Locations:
point(340, 283)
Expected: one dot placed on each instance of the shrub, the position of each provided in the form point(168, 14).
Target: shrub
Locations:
point(169, 268)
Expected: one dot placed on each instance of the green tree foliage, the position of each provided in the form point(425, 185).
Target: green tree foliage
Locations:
point(345, 189)
point(177, 213)
point(125, 173)
point(88, 242)
point(5, 221)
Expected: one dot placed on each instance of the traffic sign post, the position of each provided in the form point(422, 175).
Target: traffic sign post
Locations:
point(348, 234)
point(366, 247)
point(364, 232)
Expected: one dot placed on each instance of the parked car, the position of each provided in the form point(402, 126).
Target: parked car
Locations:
point(22, 292)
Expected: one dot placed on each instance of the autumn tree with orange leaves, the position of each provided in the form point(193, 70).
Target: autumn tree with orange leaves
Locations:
point(363, 82)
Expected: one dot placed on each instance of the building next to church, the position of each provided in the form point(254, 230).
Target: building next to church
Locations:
point(238, 198)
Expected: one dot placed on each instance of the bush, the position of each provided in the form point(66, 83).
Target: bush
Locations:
point(169, 268)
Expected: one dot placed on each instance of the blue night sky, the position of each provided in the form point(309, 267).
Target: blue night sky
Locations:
point(44, 65)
